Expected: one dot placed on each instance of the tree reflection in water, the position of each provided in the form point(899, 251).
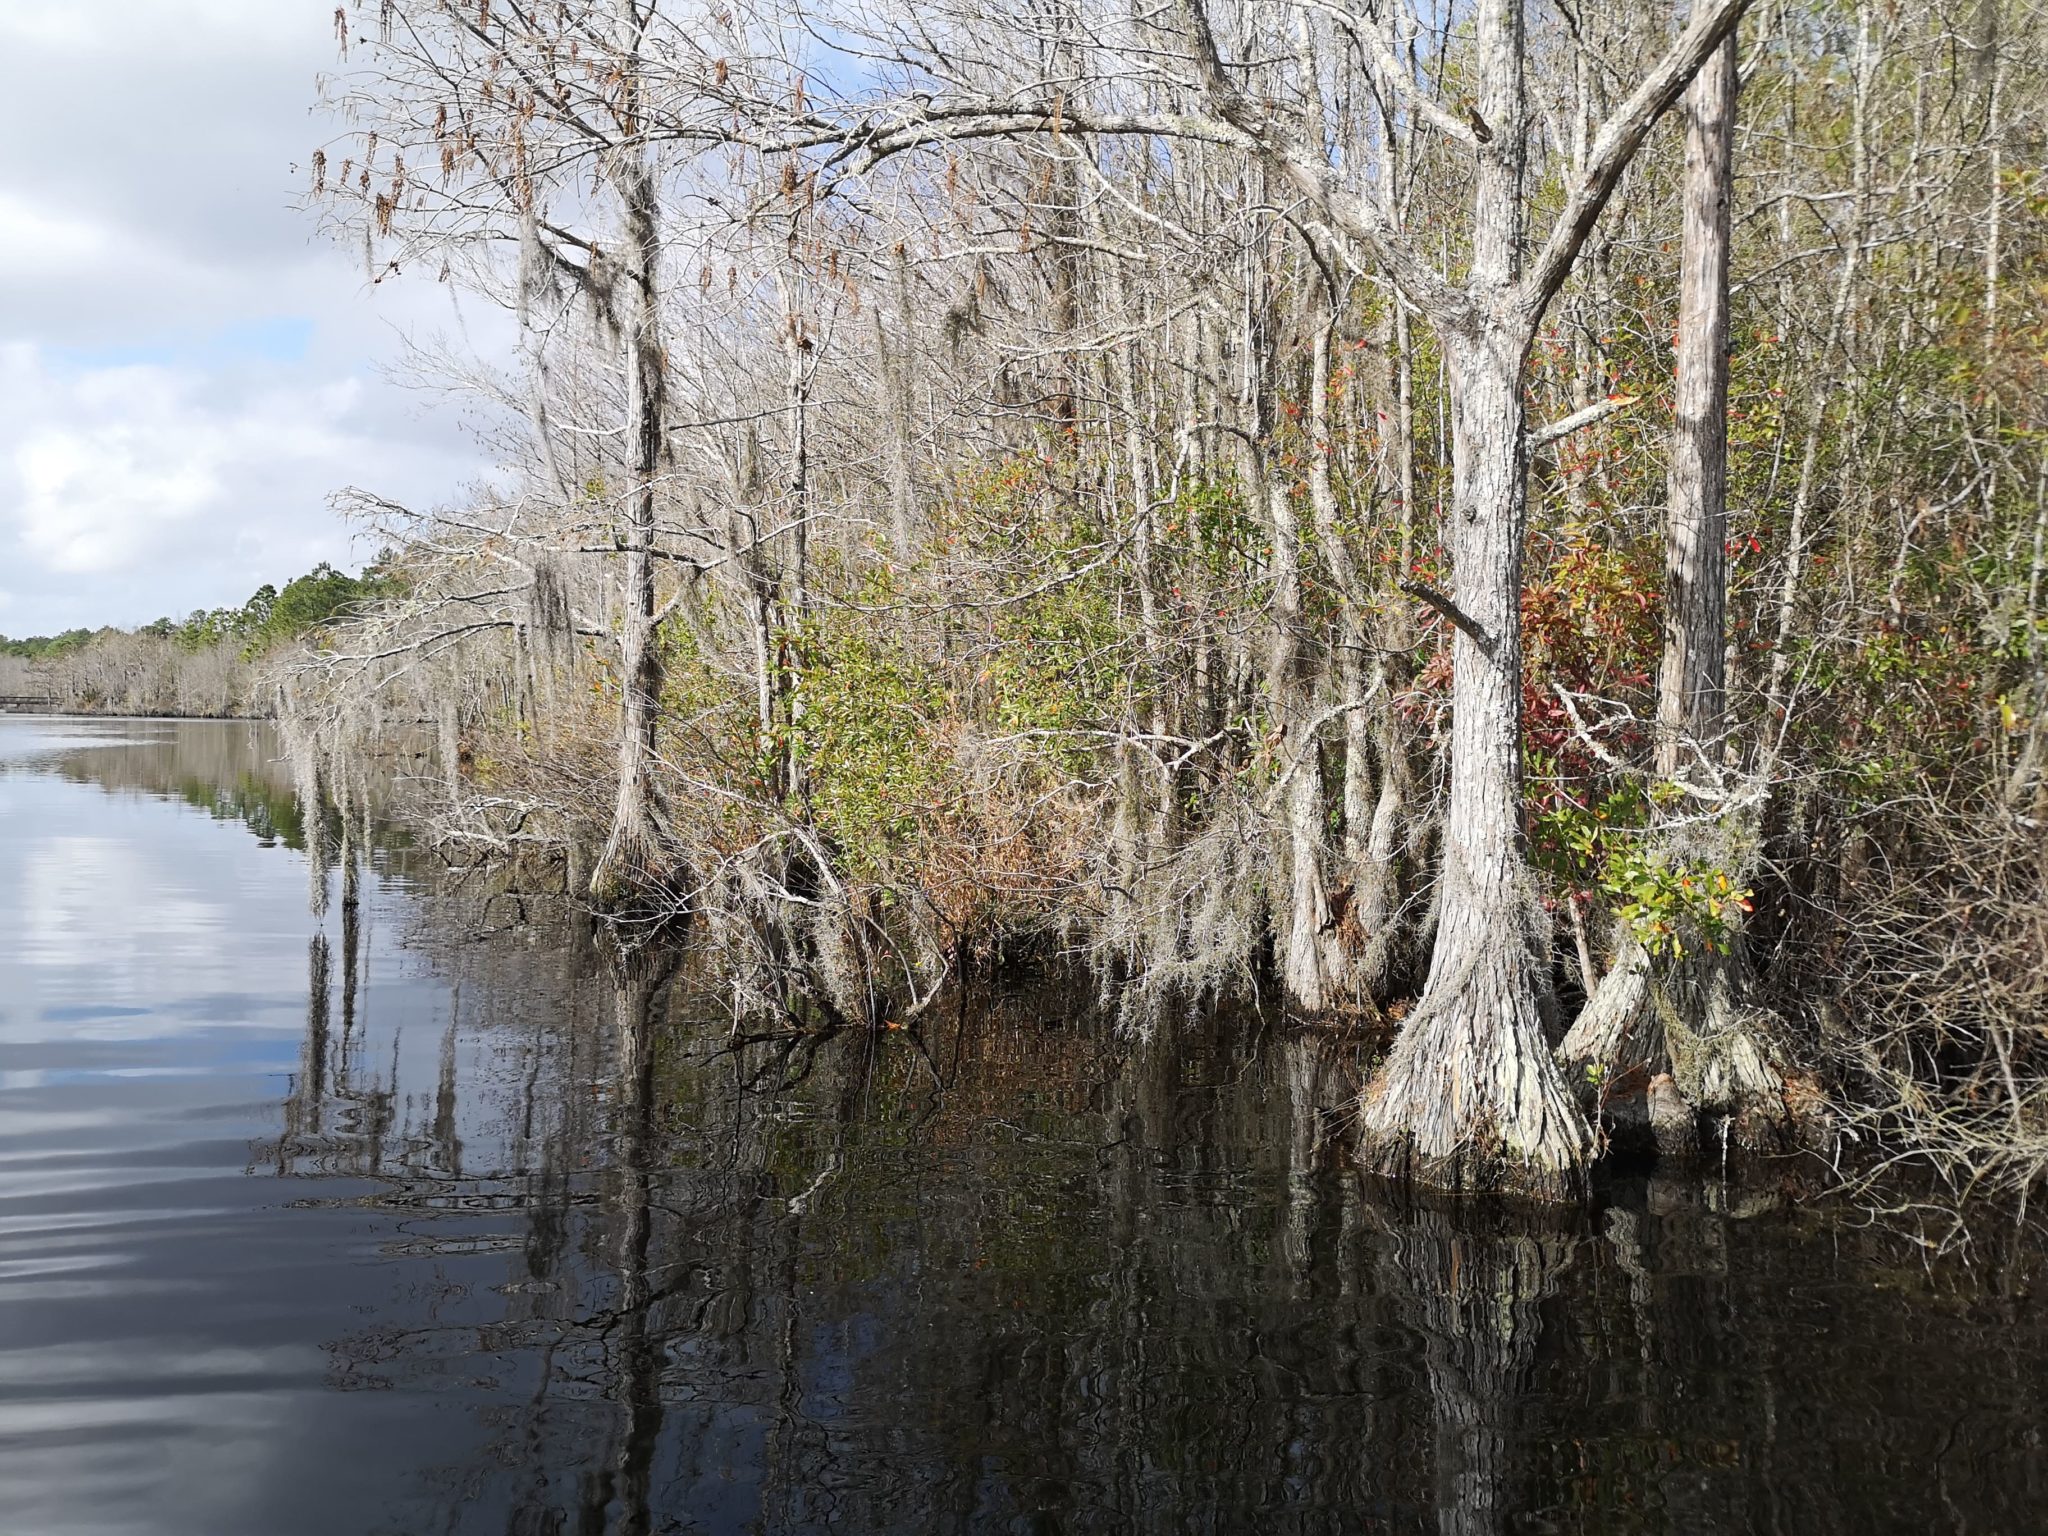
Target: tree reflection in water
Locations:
point(1472, 1284)
point(1014, 1274)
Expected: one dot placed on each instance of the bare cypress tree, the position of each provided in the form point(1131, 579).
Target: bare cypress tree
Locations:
point(631, 858)
point(1090, 607)
point(1469, 1095)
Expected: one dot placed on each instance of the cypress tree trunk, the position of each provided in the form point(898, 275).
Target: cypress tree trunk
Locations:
point(1683, 1014)
point(1358, 951)
point(629, 853)
point(1690, 682)
point(1469, 1096)
point(1376, 858)
point(1622, 1026)
point(1302, 907)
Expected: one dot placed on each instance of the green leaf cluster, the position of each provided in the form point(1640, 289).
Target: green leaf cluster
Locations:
point(867, 742)
point(269, 618)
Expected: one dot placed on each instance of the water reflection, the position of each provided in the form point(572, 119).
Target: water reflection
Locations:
point(229, 769)
point(1003, 1279)
point(483, 1229)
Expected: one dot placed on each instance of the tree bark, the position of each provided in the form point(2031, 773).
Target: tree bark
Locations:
point(1302, 907)
point(1469, 1096)
point(893, 367)
point(630, 851)
point(1368, 803)
point(1691, 684)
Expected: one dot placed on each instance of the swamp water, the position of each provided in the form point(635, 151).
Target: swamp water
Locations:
point(418, 1218)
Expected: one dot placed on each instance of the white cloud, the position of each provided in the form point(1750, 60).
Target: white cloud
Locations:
point(38, 242)
point(51, 26)
point(156, 488)
point(186, 370)
point(120, 467)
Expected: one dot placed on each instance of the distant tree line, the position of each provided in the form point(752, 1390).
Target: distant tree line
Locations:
point(205, 664)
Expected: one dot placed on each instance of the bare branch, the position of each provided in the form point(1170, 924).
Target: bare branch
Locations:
point(1599, 410)
point(1615, 145)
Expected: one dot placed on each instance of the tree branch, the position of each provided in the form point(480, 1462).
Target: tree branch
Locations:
point(1616, 144)
point(1599, 410)
point(1374, 44)
point(1315, 178)
point(1443, 603)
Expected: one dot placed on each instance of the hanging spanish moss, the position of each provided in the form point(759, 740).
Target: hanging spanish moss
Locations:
point(1052, 518)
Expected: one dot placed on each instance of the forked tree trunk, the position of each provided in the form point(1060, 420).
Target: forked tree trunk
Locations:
point(1470, 1096)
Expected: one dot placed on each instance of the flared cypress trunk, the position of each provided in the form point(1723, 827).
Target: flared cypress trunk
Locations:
point(1469, 1097)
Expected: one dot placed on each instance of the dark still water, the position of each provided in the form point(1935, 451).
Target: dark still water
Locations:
point(421, 1219)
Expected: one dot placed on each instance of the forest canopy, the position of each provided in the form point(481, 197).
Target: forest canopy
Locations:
point(269, 617)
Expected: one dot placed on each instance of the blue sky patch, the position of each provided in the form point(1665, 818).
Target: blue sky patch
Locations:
point(277, 339)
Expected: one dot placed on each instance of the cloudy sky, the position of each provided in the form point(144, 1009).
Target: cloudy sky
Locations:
point(187, 369)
